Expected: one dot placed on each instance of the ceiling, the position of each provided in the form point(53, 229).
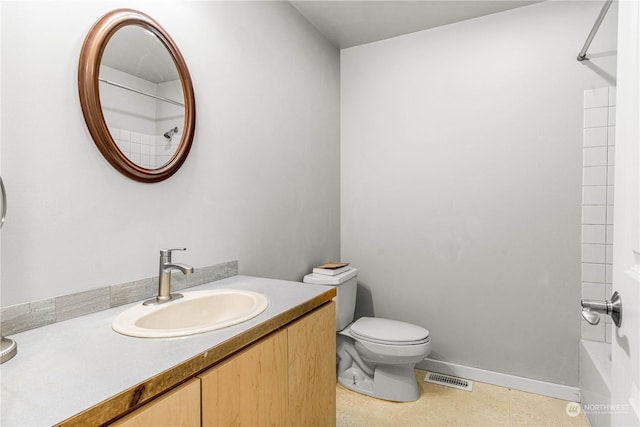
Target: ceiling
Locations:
point(139, 52)
point(344, 23)
point(351, 23)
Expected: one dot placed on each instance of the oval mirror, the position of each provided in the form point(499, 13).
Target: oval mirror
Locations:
point(136, 96)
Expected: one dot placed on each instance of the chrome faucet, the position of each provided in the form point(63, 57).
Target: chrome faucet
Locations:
point(164, 277)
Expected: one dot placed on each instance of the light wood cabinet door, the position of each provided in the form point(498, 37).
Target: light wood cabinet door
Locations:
point(312, 368)
point(177, 408)
point(250, 388)
point(286, 379)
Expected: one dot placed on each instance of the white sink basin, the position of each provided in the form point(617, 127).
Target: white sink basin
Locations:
point(198, 311)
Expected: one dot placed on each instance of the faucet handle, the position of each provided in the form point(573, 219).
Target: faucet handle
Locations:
point(167, 252)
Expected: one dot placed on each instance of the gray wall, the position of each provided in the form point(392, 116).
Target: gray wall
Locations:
point(261, 184)
point(461, 183)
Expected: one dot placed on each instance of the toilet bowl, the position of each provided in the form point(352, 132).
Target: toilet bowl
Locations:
point(375, 356)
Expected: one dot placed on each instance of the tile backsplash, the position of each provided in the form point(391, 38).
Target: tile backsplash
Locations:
point(21, 317)
point(597, 203)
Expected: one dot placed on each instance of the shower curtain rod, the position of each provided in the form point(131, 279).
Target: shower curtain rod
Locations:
point(161, 98)
point(582, 55)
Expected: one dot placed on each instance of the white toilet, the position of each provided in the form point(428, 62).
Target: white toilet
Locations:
point(375, 356)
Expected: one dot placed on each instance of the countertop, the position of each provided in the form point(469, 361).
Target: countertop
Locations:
point(81, 371)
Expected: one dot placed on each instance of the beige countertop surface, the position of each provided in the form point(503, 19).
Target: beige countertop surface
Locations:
point(80, 371)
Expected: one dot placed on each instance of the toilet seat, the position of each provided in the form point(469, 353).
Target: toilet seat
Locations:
point(388, 332)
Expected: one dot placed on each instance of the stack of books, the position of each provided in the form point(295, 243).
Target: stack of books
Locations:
point(331, 268)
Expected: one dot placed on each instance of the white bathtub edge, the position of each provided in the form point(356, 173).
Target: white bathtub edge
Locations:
point(595, 381)
point(600, 355)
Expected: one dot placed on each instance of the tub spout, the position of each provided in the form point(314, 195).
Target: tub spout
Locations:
point(591, 309)
point(592, 317)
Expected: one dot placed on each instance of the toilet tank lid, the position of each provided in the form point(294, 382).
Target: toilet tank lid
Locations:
point(388, 330)
point(338, 279)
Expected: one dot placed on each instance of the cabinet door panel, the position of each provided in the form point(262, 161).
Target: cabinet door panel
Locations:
point(312, 368)
point(249, 389)
point(177, 408)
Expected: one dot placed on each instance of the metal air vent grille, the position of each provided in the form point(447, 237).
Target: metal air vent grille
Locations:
point(449, 381)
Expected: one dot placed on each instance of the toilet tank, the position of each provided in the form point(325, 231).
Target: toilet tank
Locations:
point(346, 287)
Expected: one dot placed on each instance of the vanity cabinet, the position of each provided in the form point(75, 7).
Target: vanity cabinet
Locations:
point(179, 407)
point(286, 379)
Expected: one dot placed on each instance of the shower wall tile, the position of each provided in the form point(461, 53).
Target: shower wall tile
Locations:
point(593, 253)
point(611, 156)
point(593, 291)
point(595, 175)
point(124, 146)
point(594, 234)
point(612, 116)
point(610, 195)
point(597, 202)
point(136, 137)
point(608, 277)
point(609, 214)
point(593, 273)
point(596, 117)
point(609, 237)
point(595, 156)
point(611, 171)
point(596, 98)
point(612, 96)
point(611, 135)
point(595, 137)
point(594, 215)
point(608, 257)
point(135, 158)
point(594, 195)
point(150, 151)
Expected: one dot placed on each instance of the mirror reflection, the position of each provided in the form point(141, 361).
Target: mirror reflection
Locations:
point(141, 97)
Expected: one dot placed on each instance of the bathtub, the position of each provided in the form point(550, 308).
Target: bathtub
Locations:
point(595, 381)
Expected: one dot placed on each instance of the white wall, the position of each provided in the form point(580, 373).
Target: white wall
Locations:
point(461, 183)
point(261, 184)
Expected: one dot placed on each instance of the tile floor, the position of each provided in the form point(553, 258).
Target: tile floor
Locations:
point(486, 405)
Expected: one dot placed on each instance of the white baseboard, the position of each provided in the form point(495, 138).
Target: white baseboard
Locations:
point(503, 380)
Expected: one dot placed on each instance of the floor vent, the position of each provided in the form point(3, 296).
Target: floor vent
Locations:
point(449, 381)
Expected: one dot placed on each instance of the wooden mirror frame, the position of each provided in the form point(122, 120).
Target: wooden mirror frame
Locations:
point(88, 73)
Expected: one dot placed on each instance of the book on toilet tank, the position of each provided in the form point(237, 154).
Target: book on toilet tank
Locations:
point(331, 268)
